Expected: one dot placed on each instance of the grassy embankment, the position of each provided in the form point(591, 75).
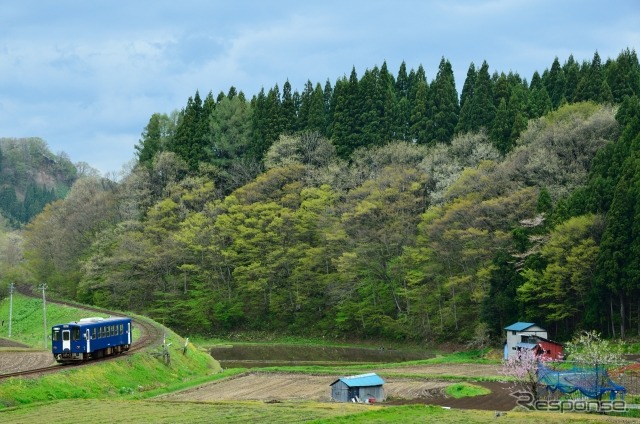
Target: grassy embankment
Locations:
point(131, 376)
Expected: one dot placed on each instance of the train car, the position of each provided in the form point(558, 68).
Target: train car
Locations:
point(90, 338)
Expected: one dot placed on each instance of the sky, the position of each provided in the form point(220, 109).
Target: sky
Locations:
point(86, 76)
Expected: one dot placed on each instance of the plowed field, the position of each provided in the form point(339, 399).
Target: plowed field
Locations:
point(268, 386)
point(399, 390)
point(23, 361)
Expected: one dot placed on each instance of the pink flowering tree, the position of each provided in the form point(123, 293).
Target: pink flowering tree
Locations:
point(523, 368)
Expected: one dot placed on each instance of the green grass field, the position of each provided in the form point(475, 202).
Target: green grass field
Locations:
point(148, 411)
point(123, 391)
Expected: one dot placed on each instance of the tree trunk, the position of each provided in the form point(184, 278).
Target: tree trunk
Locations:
point(441, 317)
point(455, 311)
point(613, 324)
point(622, 316)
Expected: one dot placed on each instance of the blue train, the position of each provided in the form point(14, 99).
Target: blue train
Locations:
point(90, 338)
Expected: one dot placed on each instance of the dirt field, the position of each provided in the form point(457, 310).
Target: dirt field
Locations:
point(10, 343)
point(287, 387)
point(14, 357)
point(22, 361)
point(261, 386)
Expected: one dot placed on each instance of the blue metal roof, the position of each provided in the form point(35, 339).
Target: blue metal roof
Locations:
point(519, 326)
point(362, 380)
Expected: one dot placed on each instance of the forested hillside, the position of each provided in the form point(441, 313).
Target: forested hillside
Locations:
point(30, 177)
point(379, 206)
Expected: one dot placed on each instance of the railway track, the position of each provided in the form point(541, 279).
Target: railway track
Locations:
point(150, 336)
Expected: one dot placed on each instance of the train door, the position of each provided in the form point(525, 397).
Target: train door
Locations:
point(128, 333)
point(88, 337)
point(66, 340)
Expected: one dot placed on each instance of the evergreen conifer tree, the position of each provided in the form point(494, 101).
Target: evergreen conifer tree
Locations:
point(190, 141)
point(478, 110)
point(404, 103)
point(344, 129)
point(623, 75)
point(316, 120)
point(571, 70)
point(500, 133)
point(288, 109)
point(467, 88)
point(443, 108)
point(555, 84)
point(305, 106)
point(419, 120)
point(259, 123)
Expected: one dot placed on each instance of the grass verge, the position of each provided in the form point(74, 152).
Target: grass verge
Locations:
point(143, 412)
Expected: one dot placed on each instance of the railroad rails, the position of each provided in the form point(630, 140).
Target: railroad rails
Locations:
point(150, 335)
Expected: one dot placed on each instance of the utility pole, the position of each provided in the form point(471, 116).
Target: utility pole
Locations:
point(11, 287)
point(43, 287)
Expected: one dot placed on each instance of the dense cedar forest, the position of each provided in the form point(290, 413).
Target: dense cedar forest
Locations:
point(381, 206)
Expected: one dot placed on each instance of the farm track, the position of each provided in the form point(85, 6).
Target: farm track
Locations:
point(150, 335)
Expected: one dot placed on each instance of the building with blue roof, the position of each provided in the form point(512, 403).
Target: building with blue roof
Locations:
point(358, 388)
point(522, 335)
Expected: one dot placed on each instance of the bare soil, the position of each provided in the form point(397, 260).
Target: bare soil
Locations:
point(13, 361)
point(399, 390)
point(10, 343)
point(281, 387)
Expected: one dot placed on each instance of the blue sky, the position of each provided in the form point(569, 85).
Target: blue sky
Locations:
point(86, 76)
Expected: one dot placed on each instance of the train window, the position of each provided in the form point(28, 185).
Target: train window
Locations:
point(75, 333)
point(101, 332)
point(56, 335)
point(93, 335)
point(121, 329)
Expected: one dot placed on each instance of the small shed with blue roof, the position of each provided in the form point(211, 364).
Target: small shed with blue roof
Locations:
point(521, 335)
point(358, 388)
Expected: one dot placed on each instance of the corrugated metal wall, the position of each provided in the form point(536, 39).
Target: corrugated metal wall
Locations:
point(340, 392)
point(376, 392)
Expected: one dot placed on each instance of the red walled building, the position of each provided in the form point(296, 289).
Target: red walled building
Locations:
point(548, 349)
